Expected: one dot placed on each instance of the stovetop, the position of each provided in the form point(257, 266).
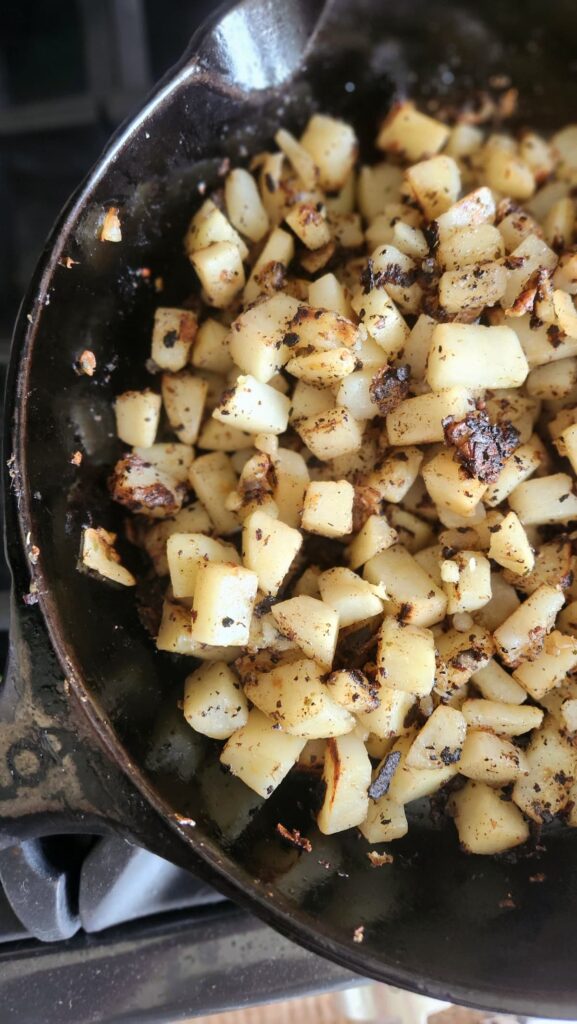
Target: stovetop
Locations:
point(94, 930)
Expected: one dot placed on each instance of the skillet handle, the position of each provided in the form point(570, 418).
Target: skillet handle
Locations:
point(54, 777)
point(257, 44)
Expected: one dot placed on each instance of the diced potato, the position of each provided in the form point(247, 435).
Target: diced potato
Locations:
point(173, 333)
point(476, 208)
point(292, 477)
point(419, 420)
point(256, 340)
point(440, 741)
point(377, 186)
point(565, 275)
point(537, 153)
point(328, 293)
point(313, 755)
point(137, 417)
point(332, 144)
point(214, 703)
point(549, 668)
point(471, 589)
point(449, 488)
point(552, 767)
point(435, 183)
point(351, 597)
point(191, 519)
point(173, 459)
point(388, 719)
point(355, 394)
point(384, 229)
point(322, 330)
point(501, 718)
point(383, 321)
point(559, 222)
point(224, 596)
point(472, 288)
point(459, 656)
point(464, 140)
point(243, 204)
point(465, 247)
point(399, 272)
point(564, 147)
point(510, 545)
point(209, 225)
point(556, 380)
point(260, 755)
point(311, 624)
point(269, 272)
point(430, 560)
point(567, 620)
point(328, 508)
point(323, 369)
point(331, 433)
point(210, 349)
point(310, 224)
point(530, 255)
point(308, 583)
point(145, 489)
point(98, 555)
point(485, 823)
point(296, 698)
point(184, 396)
point(385, 821)
point(396, 474)
point(353, 691)
point(187, 552)
point(269, 548)
point(474, 356)
point(495, 684)
point(410, 590)
point(219, 437)
point(174, 631)
point(508, 405)
point(455, 521)
point(536, 342)
point(508, 174)
point(521, 636)
point(344, 200)
point(413, 533)
point(375, 536)
point(567, 444)
point(255, 407)
point(569, 714)
point(347, 776)
point(308, 400)
point(409, 240)
point(220, 271)
point(516, 226)
point(546, 499)
point(517, 468)
point(491, 759)
point(301, 160)
point(406, 657)
point(410, 134)
point(213, 478)
point(410, 784)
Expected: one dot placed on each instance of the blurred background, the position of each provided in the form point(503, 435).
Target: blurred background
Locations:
point(70, 72)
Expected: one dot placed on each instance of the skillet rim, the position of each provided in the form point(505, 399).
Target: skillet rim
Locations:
point(273, 908)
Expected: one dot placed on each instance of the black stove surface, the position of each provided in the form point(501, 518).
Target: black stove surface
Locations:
point(94, 930)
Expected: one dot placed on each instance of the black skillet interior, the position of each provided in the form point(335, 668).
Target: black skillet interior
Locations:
point(475, 930)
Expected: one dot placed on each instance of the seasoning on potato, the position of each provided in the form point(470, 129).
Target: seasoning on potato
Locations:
point(355, 474)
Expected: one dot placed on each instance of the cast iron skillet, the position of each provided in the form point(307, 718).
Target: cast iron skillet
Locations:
point(90, 736)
